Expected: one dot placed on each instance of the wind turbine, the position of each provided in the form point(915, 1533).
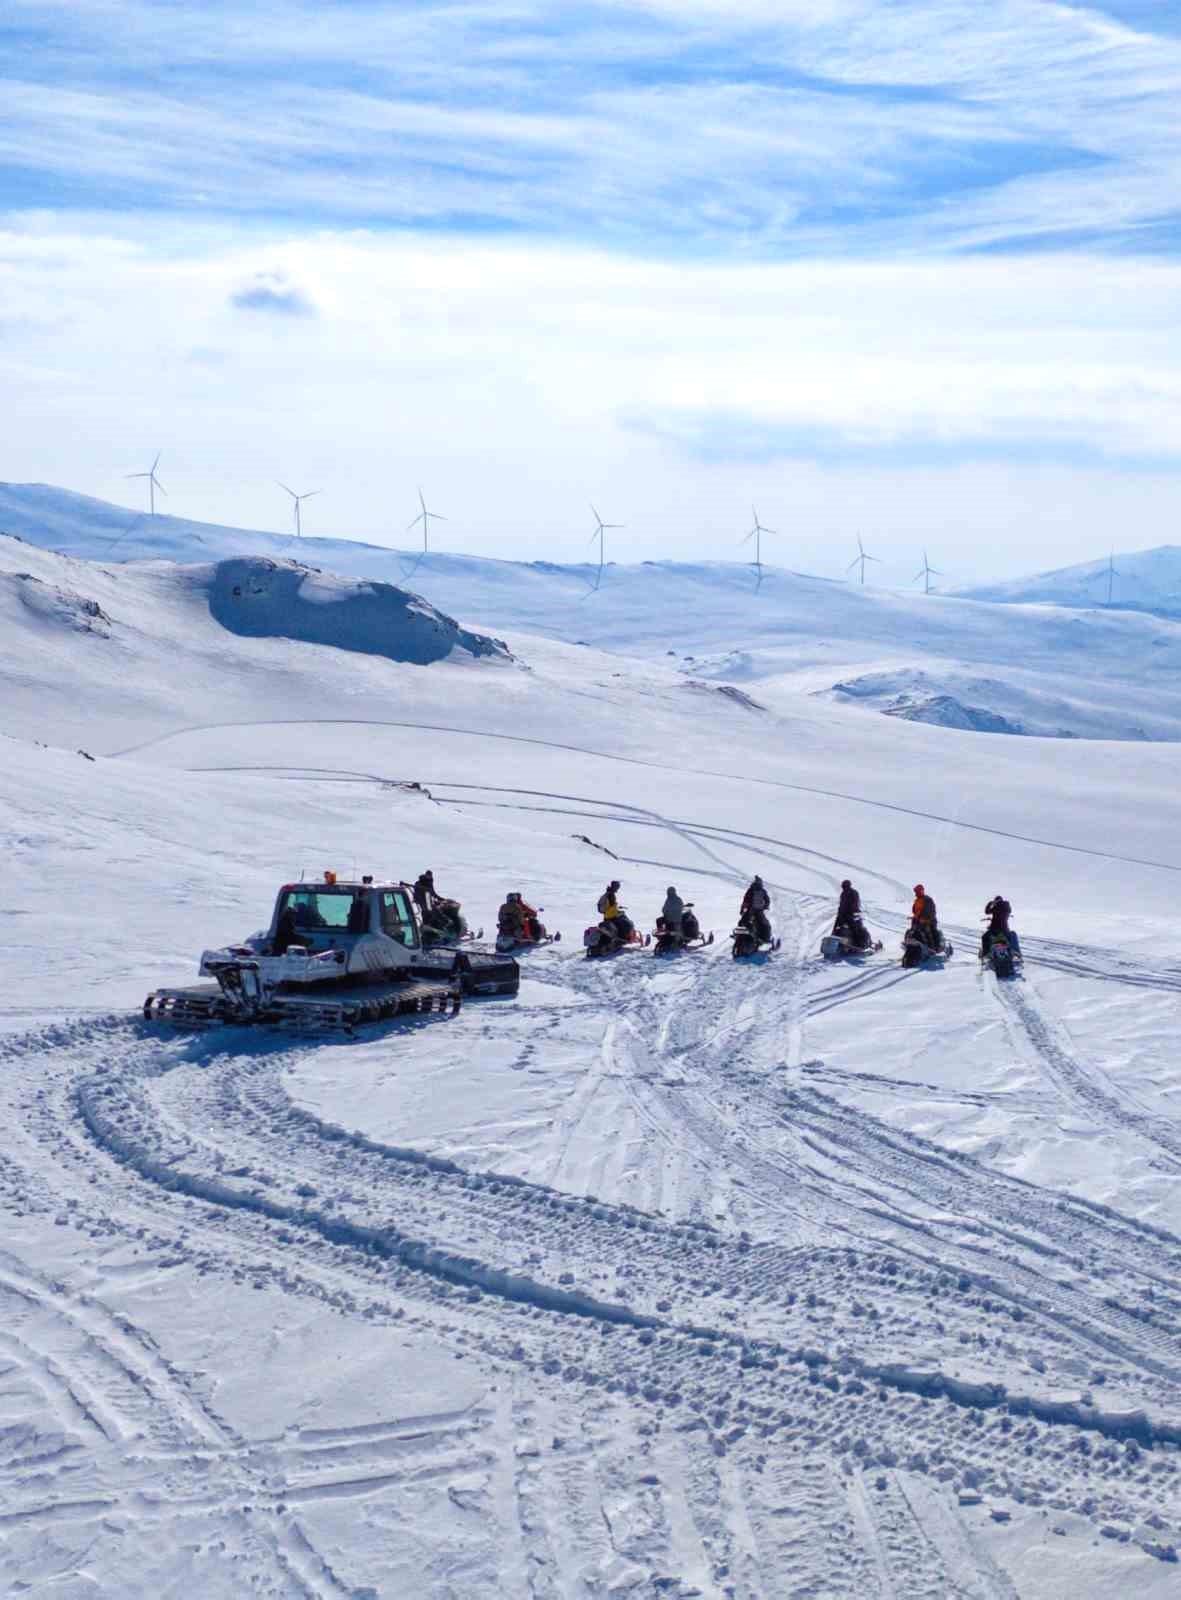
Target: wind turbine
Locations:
point(425, 516)
point(601, 530)
point(297, 501)
point(860, 559)
point(153, 483)
point(1112, 572)
point(756, 533)
point(926, 572)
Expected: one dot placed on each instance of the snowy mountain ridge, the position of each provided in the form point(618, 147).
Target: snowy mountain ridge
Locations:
point(983, 666)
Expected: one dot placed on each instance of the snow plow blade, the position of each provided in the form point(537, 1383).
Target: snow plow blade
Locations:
point(476, 971)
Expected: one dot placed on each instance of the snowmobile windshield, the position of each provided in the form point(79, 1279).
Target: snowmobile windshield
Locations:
point(329, 910)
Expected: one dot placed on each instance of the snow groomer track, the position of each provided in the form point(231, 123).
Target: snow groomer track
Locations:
point(899, 1354)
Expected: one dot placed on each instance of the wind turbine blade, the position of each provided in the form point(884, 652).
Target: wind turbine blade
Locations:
point(853, 563)
point(291, 492)
point(870, 558)
point(768, 530)
point(156, 463)
point(421, 501)
point(417, 520)
point(747, 537)
point(311, 492)
point(135, 474)
point(921, 573)
point(160, 486)
point(595, 514)
point(438, 516)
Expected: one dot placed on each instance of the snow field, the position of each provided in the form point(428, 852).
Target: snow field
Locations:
point(678, 1277)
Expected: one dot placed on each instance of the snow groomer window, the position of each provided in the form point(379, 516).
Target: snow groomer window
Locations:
point(396, 919)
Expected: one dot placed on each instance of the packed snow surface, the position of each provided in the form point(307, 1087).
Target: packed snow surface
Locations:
point(669, 1277)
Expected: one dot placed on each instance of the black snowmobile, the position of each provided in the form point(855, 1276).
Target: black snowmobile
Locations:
point(851, 938)
point(687, 936)
point(748, 938)
point(1001, 952)
point(917, 948)
point(604, 939)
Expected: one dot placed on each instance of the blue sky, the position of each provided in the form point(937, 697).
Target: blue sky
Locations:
point(746, 128)
point(248, 173)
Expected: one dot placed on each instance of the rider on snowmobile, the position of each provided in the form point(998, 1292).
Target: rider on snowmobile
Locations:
point(614, 920)
point(848, 917)
point(510, 919)
point(672, 910)
point(756, 902)
point(922, 916)
point(518, 919)
point(438, 913)
point(999, 911)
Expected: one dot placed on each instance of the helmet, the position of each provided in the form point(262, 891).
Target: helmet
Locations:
point(845, 884)
point(614, 884)
point(513, 896)
point(758, 880)
point(918, 889)
point(671, 889)
point(429, 874)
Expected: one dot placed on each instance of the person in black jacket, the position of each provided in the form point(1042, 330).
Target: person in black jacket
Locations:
point(848, 921)
point(756, 902)
point(998, 910)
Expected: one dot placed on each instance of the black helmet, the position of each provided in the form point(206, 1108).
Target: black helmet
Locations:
point(672, 889)
point(845, 884)
point(429, 874)
point(758, 880)
point(614, 884)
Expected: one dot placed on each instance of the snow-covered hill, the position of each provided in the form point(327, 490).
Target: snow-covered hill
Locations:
point(667, 1278)
point(1085, 674)
point(1146, 580)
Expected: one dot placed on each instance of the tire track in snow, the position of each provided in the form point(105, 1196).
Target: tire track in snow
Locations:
point(636, 761)
point(743, 1388)
point(1086, 1088)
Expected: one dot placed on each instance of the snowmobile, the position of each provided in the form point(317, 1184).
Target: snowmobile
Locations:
point(687, 937)
point(746, 941)
point(1002, 954)
point(916, 950)
point(335, 954)
point(601, 939)
point(446, 924)
point(850, 938)
point(508, 937)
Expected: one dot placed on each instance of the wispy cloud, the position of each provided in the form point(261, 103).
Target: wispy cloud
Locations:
point(273, 292)
point(750, 127)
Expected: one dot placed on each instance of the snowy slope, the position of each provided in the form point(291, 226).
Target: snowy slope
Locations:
point(1084, 674)
point(683, 1278)
point(1148, 580)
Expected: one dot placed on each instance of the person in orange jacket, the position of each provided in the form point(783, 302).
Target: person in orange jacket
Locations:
point(922, 914)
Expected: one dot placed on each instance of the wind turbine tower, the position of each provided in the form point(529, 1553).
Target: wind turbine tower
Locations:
point(153, 483)
point(425, 517)
point(860, 559)
point(601, 530)
point(926, 572)
point(756, 533)
point(297, 500)
point(1112, 573)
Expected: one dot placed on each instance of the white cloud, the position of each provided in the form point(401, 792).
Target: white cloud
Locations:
point(509, 380)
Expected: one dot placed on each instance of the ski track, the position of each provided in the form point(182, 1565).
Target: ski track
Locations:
point(632, 761)
point(689, 1398)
